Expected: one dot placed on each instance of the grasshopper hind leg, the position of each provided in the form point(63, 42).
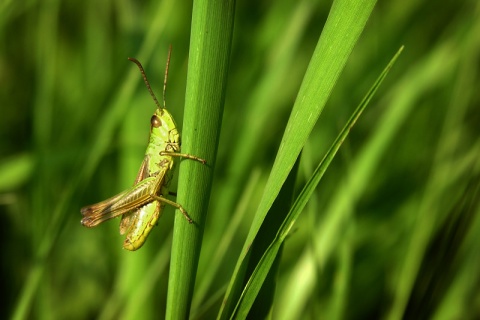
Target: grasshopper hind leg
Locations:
point(173, 204)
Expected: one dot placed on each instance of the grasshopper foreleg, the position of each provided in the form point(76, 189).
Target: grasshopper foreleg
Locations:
point(183, 155)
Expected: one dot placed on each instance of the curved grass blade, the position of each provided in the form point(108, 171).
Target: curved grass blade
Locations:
point(345, 23)
point(256, 280)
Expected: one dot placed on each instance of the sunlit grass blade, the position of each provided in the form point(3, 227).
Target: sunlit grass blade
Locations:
point(403, 100)
point(342, 29)
point(256, 280)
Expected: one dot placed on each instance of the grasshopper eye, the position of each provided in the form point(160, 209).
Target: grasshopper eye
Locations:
point(155, 122)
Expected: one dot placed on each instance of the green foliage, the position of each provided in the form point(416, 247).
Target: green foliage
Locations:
point(391, 231)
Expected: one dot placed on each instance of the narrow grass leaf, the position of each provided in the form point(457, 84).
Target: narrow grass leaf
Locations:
point(209, 53)
point(344, 25)
point(256, 281)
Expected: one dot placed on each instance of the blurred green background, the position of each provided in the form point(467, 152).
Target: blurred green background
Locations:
point(393, 230)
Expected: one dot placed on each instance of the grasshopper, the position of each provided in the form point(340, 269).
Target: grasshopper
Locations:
point(141, 205)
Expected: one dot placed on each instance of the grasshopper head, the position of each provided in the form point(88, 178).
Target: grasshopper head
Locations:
point(164, 130)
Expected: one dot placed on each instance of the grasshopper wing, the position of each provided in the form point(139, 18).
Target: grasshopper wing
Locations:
point(120, 204)
point(129, 217)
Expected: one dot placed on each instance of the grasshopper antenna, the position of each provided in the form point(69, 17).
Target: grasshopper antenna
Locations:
point(166, 75)
point(148, 84)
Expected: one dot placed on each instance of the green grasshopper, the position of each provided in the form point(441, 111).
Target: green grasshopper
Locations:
point(142, 204)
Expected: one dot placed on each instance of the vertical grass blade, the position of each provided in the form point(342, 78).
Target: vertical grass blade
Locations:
point(210, 43)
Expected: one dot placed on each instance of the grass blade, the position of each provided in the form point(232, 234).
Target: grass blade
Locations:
point(343, 27)
point(210, 43)
point(256, 281)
